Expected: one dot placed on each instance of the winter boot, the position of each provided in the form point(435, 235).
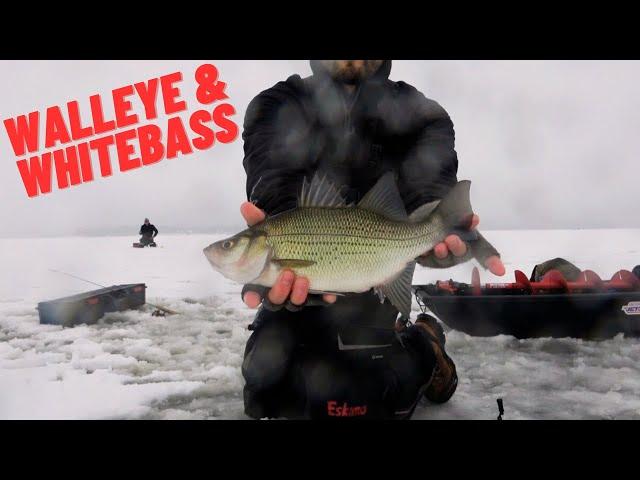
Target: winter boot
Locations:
point(445, 379)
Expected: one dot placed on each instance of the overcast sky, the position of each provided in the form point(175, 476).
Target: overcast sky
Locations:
point(547, 144)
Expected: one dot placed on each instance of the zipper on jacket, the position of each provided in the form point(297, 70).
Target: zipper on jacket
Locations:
point(348, 110)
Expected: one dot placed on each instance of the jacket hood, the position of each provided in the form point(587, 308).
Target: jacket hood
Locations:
point(382, 74)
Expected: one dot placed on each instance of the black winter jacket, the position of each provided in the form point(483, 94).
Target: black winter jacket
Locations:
point(148, 230)
point(303, 125)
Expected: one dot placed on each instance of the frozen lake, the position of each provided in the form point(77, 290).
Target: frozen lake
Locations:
point(187, 366)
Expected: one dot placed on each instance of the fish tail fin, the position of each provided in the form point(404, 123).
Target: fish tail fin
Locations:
point(455, 208)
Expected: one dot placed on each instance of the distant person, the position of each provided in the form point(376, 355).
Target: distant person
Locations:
point(149, 233)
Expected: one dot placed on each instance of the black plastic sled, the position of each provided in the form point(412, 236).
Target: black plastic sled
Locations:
point(547, 305)
point(141, 245)
point(89, 307)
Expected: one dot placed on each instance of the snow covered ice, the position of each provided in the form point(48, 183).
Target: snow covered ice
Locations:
point(187, 366)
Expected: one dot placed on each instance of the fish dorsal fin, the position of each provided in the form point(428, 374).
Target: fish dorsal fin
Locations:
point(320, 192)
point(384, 199)
point(398, 291)
point(420, 214)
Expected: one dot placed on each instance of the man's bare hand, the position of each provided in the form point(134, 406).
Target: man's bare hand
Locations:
point(288, 286)
point(457, 247)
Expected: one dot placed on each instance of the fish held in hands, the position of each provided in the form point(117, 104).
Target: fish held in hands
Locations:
point(344, 248)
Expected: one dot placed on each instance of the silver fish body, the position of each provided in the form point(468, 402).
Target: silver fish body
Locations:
point(344, 248)
point(349, 249)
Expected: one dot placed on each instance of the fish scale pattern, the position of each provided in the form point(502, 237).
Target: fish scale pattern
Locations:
point(353, 249)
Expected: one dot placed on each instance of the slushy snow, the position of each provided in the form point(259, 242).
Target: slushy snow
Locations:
point(135, 365)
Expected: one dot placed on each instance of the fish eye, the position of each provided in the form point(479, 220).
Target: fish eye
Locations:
point(227, 244)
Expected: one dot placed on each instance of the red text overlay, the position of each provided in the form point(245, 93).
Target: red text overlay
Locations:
point(58, 143)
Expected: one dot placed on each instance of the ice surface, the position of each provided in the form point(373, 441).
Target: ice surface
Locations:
point(187, 366)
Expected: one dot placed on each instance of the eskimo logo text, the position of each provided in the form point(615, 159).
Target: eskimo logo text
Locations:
point(345, 410)
point(632, 308)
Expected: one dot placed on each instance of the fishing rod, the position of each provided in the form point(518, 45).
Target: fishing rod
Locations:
point(164, 309)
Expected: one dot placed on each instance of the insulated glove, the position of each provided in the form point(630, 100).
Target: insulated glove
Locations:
point(477, 247)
